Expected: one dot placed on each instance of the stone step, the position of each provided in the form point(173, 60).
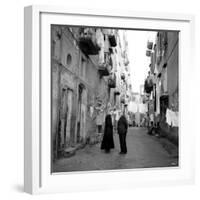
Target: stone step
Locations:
point(68, 152)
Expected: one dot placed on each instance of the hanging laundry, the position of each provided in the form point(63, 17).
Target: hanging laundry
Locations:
point(168, 117)
point(151, 117)
point(91, 111)
point(172, 118)
point(100, 38)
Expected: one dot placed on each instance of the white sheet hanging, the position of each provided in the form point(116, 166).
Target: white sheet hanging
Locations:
point(172, 118)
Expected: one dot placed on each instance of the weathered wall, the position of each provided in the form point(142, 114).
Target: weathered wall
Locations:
point(55, 90)
point(95, 86)
point(54, 105)
point(169, 75)
point(172, 70)
point(69, 47)
point(173, 77)
point(63, 76)
point(69, 75)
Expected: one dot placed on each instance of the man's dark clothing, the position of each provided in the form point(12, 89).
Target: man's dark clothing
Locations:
point(122, 127)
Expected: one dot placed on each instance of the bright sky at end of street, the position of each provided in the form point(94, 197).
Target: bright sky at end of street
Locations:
point(139, 62)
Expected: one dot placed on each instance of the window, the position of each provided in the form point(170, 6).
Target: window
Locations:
point(83, 67)
point(69, 59)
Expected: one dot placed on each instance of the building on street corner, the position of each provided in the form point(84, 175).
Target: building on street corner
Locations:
point(161, 85)
point(90, 78)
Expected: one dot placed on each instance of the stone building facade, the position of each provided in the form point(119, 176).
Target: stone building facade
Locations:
point(89, 79)
point(162, 85)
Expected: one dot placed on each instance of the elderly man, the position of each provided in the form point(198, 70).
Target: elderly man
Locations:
point(122, 127)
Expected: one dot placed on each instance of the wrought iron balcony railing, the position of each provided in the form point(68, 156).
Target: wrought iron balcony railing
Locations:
point(87, 41)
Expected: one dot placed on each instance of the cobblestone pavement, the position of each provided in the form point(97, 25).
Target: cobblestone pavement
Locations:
point(144, 151)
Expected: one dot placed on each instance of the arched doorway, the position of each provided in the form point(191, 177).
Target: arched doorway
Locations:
point(65, 118)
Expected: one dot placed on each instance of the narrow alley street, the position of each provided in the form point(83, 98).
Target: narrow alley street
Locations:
point(144, 151)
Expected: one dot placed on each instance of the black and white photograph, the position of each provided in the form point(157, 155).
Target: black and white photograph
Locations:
point(114, 98)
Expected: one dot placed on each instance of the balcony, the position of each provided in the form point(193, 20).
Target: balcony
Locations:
point(87, 41)
point(116, 92)
point(112, 40)
point(148, 85)
point(122, 100)
point(123, 76)
point(149, 45)
point(105, 68)
point(148, 53)
point(112, 81)
point(111, 50)
point(126, 61)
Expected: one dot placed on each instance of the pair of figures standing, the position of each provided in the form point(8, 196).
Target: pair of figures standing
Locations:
point(108, 142)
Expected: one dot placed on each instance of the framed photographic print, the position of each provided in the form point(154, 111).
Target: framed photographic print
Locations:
point(107, 103)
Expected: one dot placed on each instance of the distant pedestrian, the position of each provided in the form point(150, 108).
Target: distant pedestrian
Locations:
point(122, 127)
point(151, 129)
point(108, 142)
point(151, 119)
